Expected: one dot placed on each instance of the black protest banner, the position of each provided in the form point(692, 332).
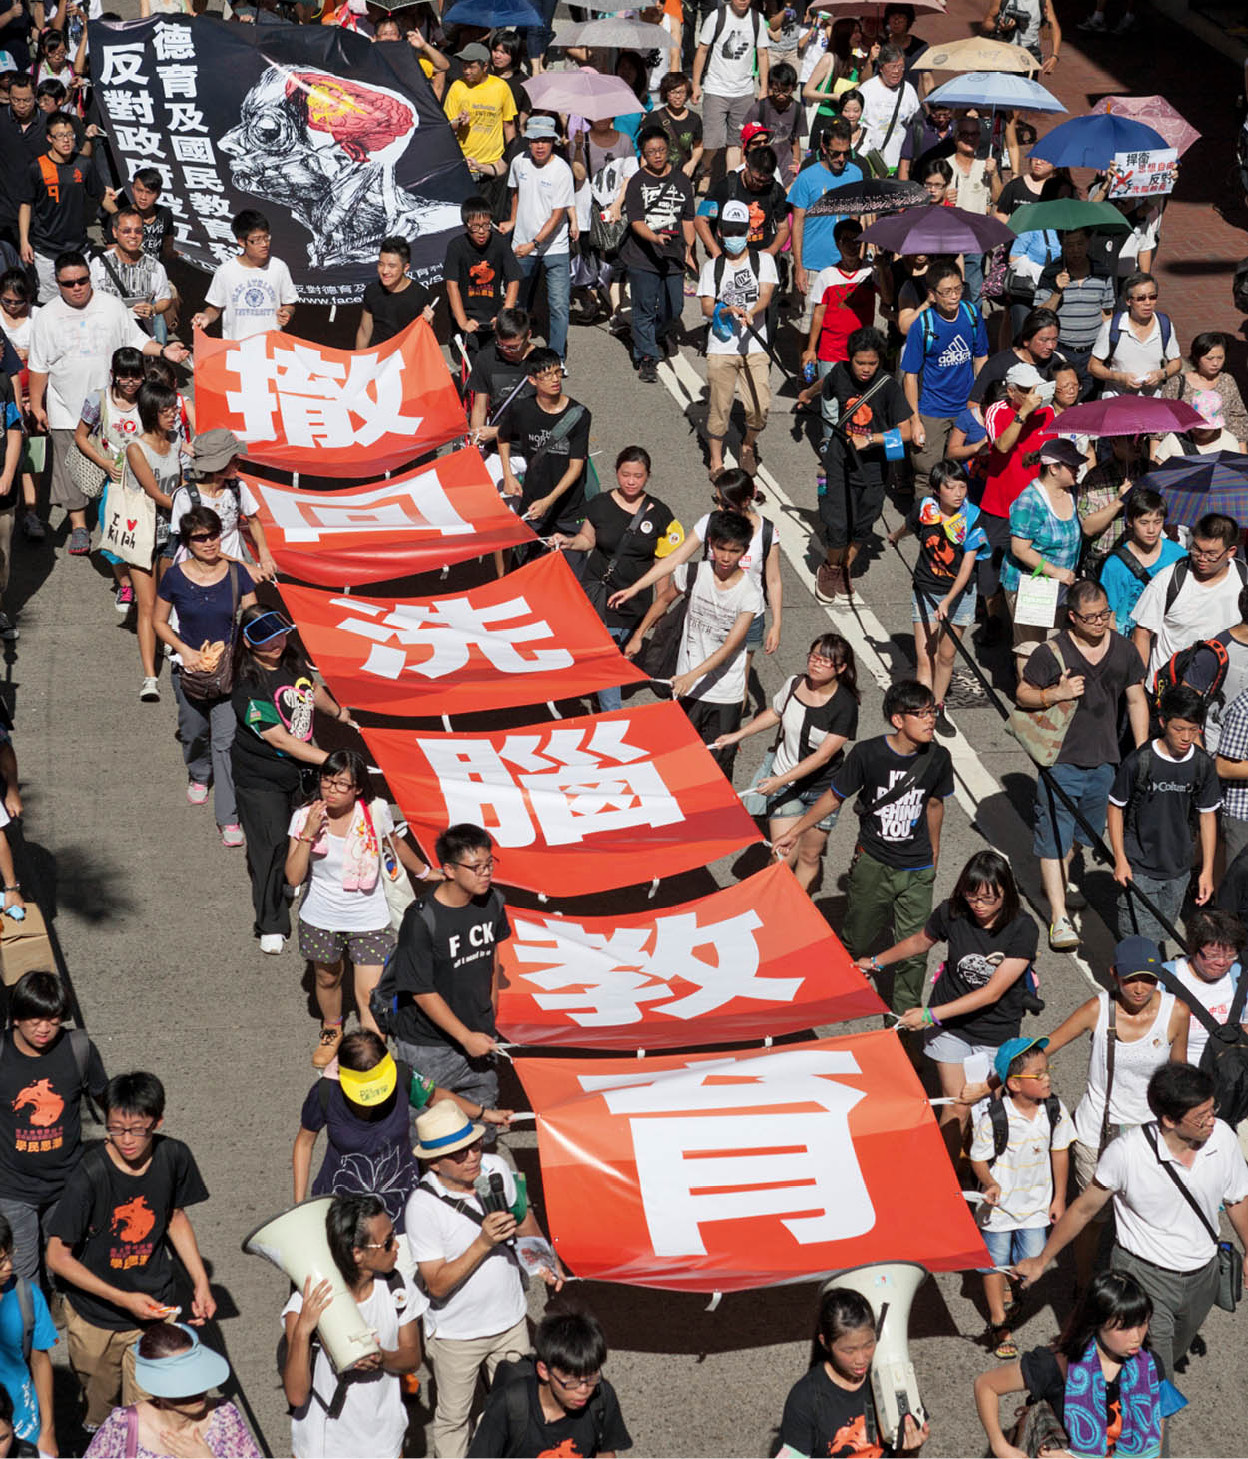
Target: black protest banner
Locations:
point(340, 142)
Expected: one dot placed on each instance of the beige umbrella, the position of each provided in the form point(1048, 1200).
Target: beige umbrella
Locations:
point(976, 53)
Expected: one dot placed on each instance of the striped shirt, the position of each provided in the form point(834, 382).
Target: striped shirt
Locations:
point(1080, 313)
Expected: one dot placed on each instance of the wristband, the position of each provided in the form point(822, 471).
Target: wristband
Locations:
point(931, 1018)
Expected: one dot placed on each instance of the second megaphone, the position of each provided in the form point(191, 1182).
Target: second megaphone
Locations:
point(889, 1286)
point(296, 1242)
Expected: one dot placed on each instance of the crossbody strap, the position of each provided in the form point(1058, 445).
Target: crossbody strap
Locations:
point(1150, 1134)
point(901, 91)
point(1111, 1045)
point(559, 432)
point(633, 527)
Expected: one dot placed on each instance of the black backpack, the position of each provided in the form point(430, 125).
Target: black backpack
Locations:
point(512, 1376)
point(721, 21)
point(383, 1001)
point(1201, 666)
point(1225, 1056)
point(1184, 566)
point(1001, 1123)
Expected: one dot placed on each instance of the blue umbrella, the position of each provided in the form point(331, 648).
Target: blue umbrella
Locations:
point(994, 89)
point(493, 14)
point(1092, 141)
point(1194, 485)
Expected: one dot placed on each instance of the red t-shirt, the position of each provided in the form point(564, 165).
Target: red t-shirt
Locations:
point(1006, 473)
point(849, 304)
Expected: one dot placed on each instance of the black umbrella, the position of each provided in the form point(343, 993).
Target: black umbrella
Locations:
point(879, 195)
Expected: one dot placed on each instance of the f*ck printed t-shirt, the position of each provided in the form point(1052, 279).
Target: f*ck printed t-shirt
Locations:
point(117, 1225)
point(896, 834)
point(456, 962)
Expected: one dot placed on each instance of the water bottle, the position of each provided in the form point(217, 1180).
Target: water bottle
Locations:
point(809, 371)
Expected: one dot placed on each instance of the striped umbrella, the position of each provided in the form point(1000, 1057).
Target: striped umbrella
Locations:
point(1194, 485)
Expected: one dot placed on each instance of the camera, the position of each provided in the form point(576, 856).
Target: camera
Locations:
point(1011, 18)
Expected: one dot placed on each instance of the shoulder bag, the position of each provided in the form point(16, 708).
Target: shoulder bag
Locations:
point(88, 477)
point(1230, 1264)
point(599, 588)
point(1041, 732)
point(130, 522)
point(874, 158)
point(396, 883)
point(218, 681)
point(661, 652)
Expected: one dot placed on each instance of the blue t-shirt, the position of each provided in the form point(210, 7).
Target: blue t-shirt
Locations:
point(205, 615)
point(1123, 588)
point(942, 353)
point(630, 125)
point(819, 248)
point(14, 1374)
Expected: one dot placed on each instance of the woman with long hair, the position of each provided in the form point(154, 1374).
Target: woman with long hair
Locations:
point(815, 715)
point(977, 1001)
point(155, 463)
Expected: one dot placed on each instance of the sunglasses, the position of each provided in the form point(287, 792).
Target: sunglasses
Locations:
point(204, 537)
point(79, 283)
point(266, 628)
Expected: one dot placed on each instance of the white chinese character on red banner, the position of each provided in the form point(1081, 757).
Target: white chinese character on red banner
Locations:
point(316, 405)
point(729, 1140)
point(421, 503)
point(449, 629)
point(574, 782)
point(603, 981)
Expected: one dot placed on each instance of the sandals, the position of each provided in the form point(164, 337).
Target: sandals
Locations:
point(1001, 1341)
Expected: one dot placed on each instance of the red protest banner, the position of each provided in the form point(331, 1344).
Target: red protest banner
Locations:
point(577, 805)
point(754, 959)
point(305, 407)
point(522, 639)
point(446, 512)
point(724, 1172)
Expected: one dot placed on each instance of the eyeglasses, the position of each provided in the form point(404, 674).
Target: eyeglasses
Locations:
point(968, 136)
point(1102, 615)
point(79, 283)
point(814, 658)
point(204, 537)
point(461, 1155)
point(11, 301)
point(329, 781)
point(953, 292)
point(1045, 1075)
point(590, 1380)
point(928, 713)
point(1199, 555)
point(1143, 298)
point(982, 899)
point(134, 1132)
point(481, 866)
point(387, 1245)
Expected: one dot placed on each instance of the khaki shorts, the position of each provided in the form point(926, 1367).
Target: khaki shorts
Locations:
point(64, 491)
point(722, 119)
point(103, 1361)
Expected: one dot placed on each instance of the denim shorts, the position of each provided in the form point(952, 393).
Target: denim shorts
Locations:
point(1007, 1247)
point(963, 614)
point(791, 805)
point(754, 636)
point(1089, 788)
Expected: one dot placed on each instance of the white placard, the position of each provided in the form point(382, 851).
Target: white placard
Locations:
point(1143, 174)
point(1036, 606)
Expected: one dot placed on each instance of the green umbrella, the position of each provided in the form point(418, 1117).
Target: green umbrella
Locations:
point(1062, 214)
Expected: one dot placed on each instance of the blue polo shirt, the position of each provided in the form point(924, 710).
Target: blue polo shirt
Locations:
point(819, 248)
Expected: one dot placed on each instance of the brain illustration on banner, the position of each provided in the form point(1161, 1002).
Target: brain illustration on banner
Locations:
point(446, 512)
point(574, 806)
point(754, 959)
point(714, 1172)
point(306, 407)
point(523, 639)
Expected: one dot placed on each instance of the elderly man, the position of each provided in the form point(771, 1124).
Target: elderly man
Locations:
point(71, 343)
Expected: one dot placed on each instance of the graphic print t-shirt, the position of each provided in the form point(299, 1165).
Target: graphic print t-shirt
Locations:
point(249, 298)
point(662, 204)
point(482, 274)
point(821, 1417)
point(1158, 835)
point(943, 543)
point(116, 1224)
point(974, 955)
point(264, 700)
point(458, 963)
point(568, 1437)
point(942, 353)
point(41, 1118)
point(897, 833)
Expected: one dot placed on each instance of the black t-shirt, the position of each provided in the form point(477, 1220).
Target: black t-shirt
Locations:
point(683, 134)
point(61, 211)
point(527, 428)
point(839, 716)
point(1044, 1379)
point(821, 1417)
point(458, 963)
point(939, 559)
point(580, 1433)
point(886, 409)
point(263, 700)
point(662, 203)
point(393, 312)
point(1016, 194)
point(997, 366)
point(1092, 736)
point(496, 376)
point(1158, 833)
point(19, 148)
point(897, 833)
point(767, 208)
point(116, 1224)
point(481, 274)
point(975, 953)
point(41, 1117)
point(611, 525)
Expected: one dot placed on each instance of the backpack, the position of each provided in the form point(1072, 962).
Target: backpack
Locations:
point(1115, 334)
point(1143, 783)
point(1001, 1123)
point(927, 331)
point(1130, 561)
point(1201, 666)
point(1239, 284)
point(80, 1048)
point(1184, 566)
point(1225, 1056)
point(26, 1307)
point(512, 1376)
point(721, 21)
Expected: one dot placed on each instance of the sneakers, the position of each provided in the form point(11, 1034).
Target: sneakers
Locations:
point(1062, 935)
point(32, 527)
point(327, 1046)
point(648, 372)
point(830, 582)
point(123, 596)
point(79, 542)
point(945, 727)
point(150, 692)
point(1094, 22)
point(231, 834)
point(272, 942)
point(1126, 25)
point(8, 631)
point(196, 793)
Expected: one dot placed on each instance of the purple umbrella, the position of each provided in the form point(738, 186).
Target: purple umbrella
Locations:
point(936, 229)
point(1129, 415)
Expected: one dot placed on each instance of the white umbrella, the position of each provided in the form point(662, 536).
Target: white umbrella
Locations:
point(620, 31)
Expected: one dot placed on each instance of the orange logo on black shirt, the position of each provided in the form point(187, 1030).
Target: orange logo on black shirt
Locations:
point(851, 1438)
point(481, 278)
point(134, 1220)
point(566, 1449)
point(45, 1103)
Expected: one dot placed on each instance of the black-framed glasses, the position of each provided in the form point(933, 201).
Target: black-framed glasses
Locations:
point(586, 1380)
point(135, 1132)
point(1199, 556)
point(1102, 615)
point(463, 1152)
point(928, 713)
point(487, 865)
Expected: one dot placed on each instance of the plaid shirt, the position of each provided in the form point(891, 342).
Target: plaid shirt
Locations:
point(1099, 488)
point(1233, 745)
point(1032, 519)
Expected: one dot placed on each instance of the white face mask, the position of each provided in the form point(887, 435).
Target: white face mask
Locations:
point(735, 244)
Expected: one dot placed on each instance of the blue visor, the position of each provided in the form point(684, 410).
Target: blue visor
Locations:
point(266, 628)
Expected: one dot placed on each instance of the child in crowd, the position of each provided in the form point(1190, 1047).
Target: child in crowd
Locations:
point(1139, 557)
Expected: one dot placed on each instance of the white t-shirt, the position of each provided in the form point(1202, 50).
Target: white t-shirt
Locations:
point(741, 286)
point(74, 348)
point(541, 190)
point(878, 102)
point(1153, 1219)
point(249, 298)
point(753, 561)
point(373, 1420)
point(712, 613)
point(730, 62)
point(1170, 445)
point(325, 904)
point(1199, 611)
point(19, 330)
point(492, 1299)
point(1024, 1170)
point(1135, 357)
point(1141, 239)
point(226, 506)
point(1215, 997)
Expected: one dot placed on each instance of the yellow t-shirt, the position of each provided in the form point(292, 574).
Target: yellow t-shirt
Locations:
point(489, 104)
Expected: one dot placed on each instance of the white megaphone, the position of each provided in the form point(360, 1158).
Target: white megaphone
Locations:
point(296, 1242)
point(889, 1286)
